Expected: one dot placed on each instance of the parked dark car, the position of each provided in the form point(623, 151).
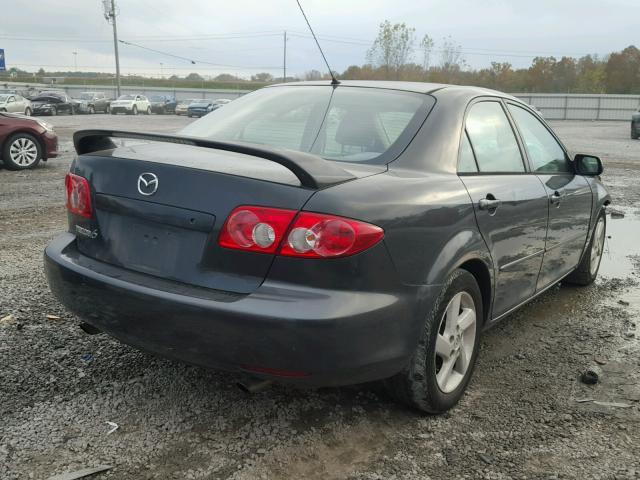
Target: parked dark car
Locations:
point(200, 108)
point(635, 125)
point(96, 102)
point(162, 104)
point(24, 141)
point(329, 235)
point(51, 103)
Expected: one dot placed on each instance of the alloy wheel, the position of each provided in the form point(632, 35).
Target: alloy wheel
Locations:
point(23, 152)
point(455, 342)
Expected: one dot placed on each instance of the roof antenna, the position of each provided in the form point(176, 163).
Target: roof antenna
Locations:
point(334, 80)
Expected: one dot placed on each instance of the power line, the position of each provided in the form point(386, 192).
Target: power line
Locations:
point(191, 60)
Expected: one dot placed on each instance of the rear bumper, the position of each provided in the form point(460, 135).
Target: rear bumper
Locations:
point(327, 337)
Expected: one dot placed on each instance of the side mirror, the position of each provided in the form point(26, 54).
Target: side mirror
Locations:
point(588, 165)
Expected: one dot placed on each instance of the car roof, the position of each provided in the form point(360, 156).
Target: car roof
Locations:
point(436, 89)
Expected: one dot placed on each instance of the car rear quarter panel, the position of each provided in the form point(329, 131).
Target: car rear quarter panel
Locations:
point(429, 223)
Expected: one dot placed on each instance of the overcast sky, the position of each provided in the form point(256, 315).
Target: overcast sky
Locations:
point(247, 34)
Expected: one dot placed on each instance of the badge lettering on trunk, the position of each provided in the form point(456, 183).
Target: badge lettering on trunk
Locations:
point(147, 183)
point(85, 232)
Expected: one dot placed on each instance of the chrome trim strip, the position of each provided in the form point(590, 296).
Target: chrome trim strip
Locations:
point(511, 264)
point(575, 237)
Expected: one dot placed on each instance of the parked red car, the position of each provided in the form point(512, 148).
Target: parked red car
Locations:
point(24, 141)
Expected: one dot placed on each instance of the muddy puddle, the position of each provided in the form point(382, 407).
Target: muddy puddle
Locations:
point(621, 258)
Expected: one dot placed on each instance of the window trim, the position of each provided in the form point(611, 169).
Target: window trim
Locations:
point(548, 128)
point(475, 159)
point(523, 155)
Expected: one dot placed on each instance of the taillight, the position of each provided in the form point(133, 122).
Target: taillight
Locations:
point(316, 235)
point(257, 229)
point(78, 195)
point(312, 235)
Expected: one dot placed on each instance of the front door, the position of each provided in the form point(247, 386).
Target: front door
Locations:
point(511, 205)
point(569, 197)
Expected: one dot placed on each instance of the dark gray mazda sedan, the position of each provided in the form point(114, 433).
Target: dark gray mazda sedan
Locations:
point(326, 234)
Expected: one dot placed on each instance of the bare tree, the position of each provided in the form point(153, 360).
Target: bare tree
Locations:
point(393, 46)
point(451, 58)
point(426, 45)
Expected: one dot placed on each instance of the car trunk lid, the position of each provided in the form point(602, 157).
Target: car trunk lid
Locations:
point(170, 229)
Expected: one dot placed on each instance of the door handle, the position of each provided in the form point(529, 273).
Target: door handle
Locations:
point(488, 203)
point(555, 198)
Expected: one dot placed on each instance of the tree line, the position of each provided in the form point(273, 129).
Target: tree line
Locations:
point(393, 57)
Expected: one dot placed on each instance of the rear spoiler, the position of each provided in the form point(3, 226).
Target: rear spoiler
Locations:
point(312, 171)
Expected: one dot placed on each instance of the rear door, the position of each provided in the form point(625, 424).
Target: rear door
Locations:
point(569, 196)
point(510, 203)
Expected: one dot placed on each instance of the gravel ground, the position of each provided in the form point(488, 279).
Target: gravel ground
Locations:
point(523, 416)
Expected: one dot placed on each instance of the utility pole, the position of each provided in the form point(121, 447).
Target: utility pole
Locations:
point(110, 15)
point(284, 63)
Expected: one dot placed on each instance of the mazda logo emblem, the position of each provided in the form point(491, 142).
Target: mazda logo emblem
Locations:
point(147, 183)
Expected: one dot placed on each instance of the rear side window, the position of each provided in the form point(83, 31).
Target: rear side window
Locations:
point(466, 160)
point(492, 139)
point(544, 151)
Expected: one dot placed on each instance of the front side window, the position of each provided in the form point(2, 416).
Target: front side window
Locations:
point(350, 124)
point(544, 151)
point(492, 139)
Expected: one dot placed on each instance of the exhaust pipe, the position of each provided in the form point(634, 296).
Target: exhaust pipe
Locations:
point(89, 329)
point(253, 385)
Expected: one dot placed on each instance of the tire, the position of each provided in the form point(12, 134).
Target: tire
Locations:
point(634, 133)
point(587, 270)
point(421, 384)
point(21, 151)
point(107, 109)
point(71, 110)
point(54, 111)
point(148, 112)
point(3, 109)
point(27, 112)
point(134, 110)
point(92, 109)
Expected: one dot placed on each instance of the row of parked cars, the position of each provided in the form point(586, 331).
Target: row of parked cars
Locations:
point(55, 102)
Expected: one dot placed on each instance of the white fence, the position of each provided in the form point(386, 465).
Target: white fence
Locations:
point(582, 107)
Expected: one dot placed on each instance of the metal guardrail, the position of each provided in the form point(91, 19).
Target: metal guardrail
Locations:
point(582, 106)
point(554, 106)
point(110, 90)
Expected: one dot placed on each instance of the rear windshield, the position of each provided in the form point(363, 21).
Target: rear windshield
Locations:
point(126, 97)
point(350, 124)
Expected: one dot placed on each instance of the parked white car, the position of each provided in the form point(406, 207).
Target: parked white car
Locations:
point(15, 103)
point(131, 105)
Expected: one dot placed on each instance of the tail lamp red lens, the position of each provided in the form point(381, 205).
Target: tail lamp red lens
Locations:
point(78, 195)
point(258, 229)
point(310, 235)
